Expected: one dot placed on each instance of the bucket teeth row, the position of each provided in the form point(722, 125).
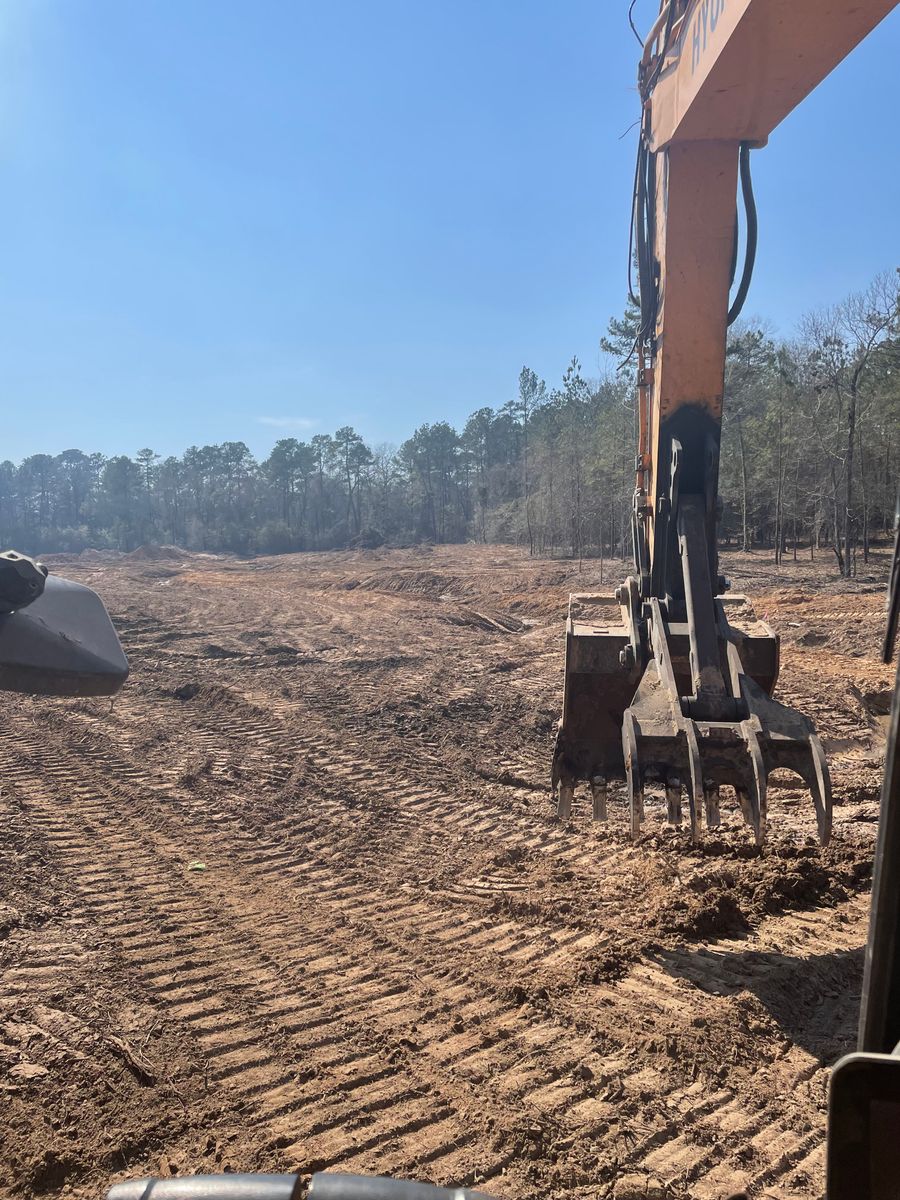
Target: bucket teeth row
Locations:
point(566, 794)
point(636, 718)
point(739, 756)
point(704, 799)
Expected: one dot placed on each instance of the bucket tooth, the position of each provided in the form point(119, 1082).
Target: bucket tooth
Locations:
point(598, 796)
point(752, 796)
point(633, 772)
point(695, 791)
point(564, 800)
point(673, 801)
point(752, 815)
point(758, 792)
point(777, 736)
point(711, 804)
point(743, 797)
point(819, 783)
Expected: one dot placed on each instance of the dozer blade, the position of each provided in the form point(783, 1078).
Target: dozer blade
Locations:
point(639, 724)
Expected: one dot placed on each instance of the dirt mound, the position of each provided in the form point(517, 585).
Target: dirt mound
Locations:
point(58, 560)
point(878, 702)
point(432, 584)
point(721, 899)
point(150, 553)
point(100, 556)
point(489, 622)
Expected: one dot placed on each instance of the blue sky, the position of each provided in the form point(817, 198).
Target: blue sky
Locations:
point(246, 220)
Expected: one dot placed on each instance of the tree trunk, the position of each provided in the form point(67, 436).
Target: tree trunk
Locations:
point(835, 528)
point(779, 493)
point(745, 539)
point(848, 490)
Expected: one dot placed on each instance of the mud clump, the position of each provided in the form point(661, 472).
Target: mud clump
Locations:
point(795, 877)
point(609, 964)
point(214, 650)
point(726, 900)
point(711, 914)
point(812, 637)
point(878, 702)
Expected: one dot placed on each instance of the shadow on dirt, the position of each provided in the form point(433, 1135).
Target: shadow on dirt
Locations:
point(813, 999)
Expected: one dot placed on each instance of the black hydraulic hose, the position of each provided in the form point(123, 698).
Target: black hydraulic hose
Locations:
point(642, 240)
point(890, 633)
point(651, 223)
point(734, 250)
point(648, 330)
point(632, 230)
point(752, 234)
point(644, 275)
point(632, 24)
point(650, 83)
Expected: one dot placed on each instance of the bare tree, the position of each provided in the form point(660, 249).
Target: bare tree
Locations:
point(843, 340)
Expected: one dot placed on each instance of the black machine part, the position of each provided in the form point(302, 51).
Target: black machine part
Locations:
point(56, 638)
point(21, 580)
point(323, 1186)
point(864, 1093)
point(893, 608)
point(864, 1128)
point(879, 1022)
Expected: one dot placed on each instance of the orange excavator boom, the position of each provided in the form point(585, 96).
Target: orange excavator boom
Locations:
point(669, 682)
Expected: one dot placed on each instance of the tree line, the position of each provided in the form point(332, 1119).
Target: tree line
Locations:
point(809, 463)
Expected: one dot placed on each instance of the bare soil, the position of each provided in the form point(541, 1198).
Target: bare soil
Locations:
point(297, 899)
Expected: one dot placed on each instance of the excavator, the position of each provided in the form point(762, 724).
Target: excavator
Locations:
point(669, 682)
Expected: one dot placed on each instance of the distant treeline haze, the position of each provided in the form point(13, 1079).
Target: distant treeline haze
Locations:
point(809, 460)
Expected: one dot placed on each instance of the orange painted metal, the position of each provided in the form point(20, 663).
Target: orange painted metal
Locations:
point(695, 237)
point(647, 695)
point(738, 67)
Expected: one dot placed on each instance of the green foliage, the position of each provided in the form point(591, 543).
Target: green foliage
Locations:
point(809, 457)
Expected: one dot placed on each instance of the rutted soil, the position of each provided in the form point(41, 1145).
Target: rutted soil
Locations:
point(297, 899)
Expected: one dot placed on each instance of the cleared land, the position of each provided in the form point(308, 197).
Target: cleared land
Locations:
point(297, 898)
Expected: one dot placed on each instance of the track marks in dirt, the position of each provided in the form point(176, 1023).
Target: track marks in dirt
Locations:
point(471, 1045)
point(249, 978)
point(392, 958)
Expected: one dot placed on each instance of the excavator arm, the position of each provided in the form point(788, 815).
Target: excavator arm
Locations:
point(715, 75)
point(669, 682)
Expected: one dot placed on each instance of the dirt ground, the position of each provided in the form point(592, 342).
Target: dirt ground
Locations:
point(297, 898)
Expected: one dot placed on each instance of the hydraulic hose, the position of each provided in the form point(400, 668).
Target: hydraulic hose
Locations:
point(752, 233)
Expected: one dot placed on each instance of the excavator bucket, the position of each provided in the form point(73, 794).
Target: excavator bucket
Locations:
point(630, 714)
point(601, 680)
